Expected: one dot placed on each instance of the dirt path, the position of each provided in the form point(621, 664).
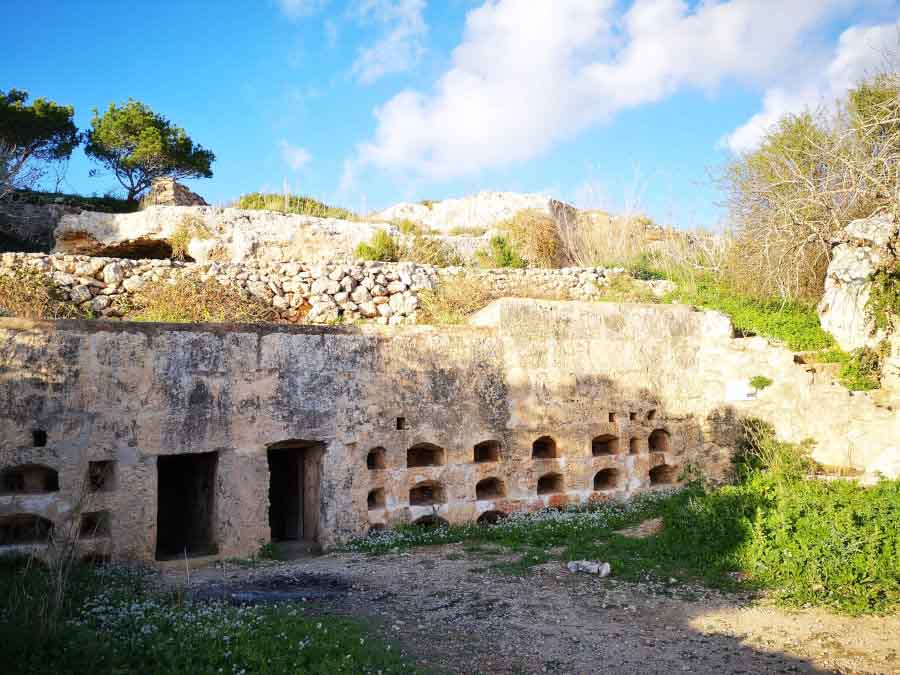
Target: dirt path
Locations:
point(451, 612)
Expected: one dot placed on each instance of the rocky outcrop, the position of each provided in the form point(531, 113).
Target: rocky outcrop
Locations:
point(168, 192)
point(863, 248)
point(385, 293)
point(482, 210)
point(216, 235)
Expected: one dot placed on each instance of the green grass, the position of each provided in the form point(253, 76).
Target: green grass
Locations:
point(832, 544)
point(115, 622)
point(296, 204)
point(796, 324)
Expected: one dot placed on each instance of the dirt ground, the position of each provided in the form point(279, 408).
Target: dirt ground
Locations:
point(451, 612)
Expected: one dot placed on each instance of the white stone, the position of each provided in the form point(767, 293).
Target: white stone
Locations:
point(601, 569)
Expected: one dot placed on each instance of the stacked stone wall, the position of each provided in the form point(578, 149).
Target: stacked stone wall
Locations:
point(385, 293)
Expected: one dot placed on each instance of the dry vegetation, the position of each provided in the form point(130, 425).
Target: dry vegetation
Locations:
point(193, 300)
point(30, 294)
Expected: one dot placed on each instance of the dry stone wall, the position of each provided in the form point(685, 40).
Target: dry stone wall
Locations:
point(386, 293)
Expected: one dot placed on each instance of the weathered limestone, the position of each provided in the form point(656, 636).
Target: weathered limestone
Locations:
point(539, 403)
point(219, 234)
point(325, 293)
point(482, 210)
point(168, 192)
point(863, 248)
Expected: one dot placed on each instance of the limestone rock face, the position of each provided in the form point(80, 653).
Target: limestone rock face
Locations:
point(863, 248)
point(167, 192)
point(482, 210)
point(219, 234)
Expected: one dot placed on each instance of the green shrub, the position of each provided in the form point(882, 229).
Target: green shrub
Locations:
point(861, 370)
point(192, 300)
point(453, 300)
point(298, 204)
point(623, 288)
point(760, 382)
point(381, 247)
point(104, 204)
point(794, 323)
point(28, 293)
point(883, 305)
point(500, 253)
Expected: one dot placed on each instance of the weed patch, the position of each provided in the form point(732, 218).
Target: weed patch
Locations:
point(453, 300)
point(296, 204)
point(28, 293)
point(117, 622)
point(192, 300)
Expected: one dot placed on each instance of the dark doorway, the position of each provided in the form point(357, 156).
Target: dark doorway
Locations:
point(294, 482)
point(186, 505)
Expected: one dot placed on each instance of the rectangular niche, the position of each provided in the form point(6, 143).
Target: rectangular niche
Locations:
point(102, 476)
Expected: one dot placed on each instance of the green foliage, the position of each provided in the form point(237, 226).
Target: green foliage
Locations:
point(190, 299)
point(500, 253)
point(644, 268)
point(623, 288)
point(883, 305)
point(453, 300)
point(417, 247)
point(861, 370)
point(138, 145)
point(116, 622)
point(298, 204)
point(760, 382)
point(28, 293)
point(381, 247)
point(794, 323)
point(39, 131)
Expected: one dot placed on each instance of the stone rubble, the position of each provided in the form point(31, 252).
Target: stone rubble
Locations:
point(601, 569)
point(385, 293)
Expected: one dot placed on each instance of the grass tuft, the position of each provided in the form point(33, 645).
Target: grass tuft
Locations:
point(192, 300)
point(28, 293)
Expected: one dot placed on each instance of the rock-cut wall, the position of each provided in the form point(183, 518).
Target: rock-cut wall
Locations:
point(167, 440)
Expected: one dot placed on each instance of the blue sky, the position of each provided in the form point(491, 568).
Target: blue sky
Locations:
point(364, 103)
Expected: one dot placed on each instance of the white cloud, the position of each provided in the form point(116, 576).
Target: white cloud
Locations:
point(297, 8)
point(401, 44)
point(860, 51)
point(528, 74)
point(295, 157)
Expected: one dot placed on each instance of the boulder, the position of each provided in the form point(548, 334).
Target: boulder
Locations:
point(864, 247)
point(168, 192)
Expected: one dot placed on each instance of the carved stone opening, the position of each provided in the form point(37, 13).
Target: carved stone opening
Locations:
point(24, 528)
point(664, 474)
point(544, 448)
point(186, 505)
point(490, 488)
point(427, 494)
point(607, 444)
point(487, 451)
point(424, 454)
point(550, 484)
point(375, 500)
point(607, 479)
point(375, 460)
point(28, 479)
point(659, 441)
